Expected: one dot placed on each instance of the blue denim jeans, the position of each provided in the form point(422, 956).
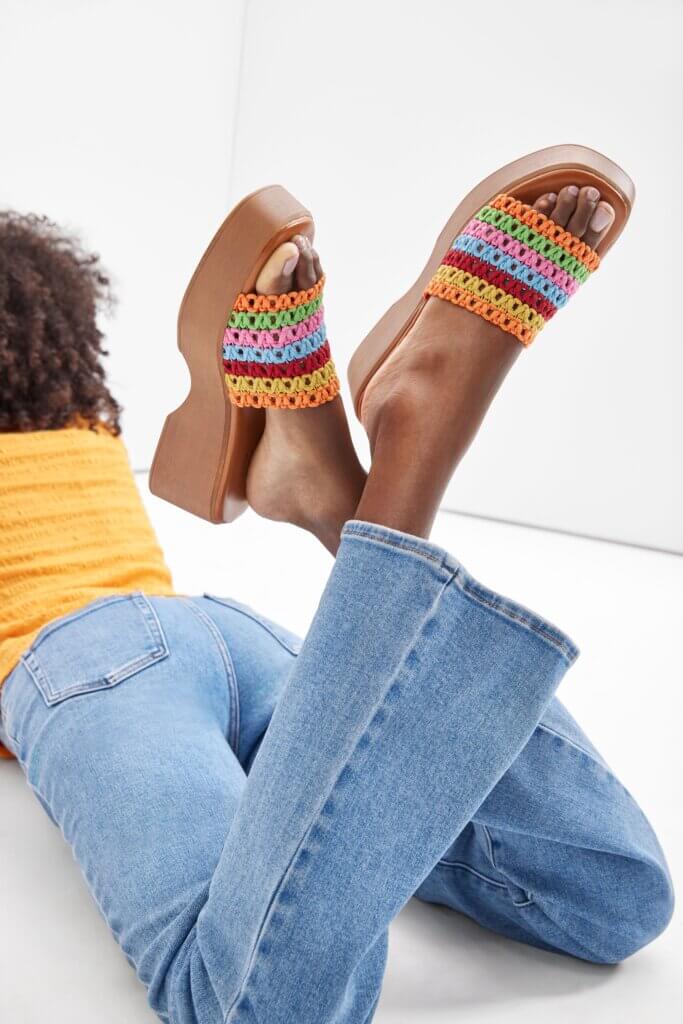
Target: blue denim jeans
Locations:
point(251, 812)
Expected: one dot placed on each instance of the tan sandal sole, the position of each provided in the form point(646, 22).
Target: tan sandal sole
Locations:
point(206, 445)
point(528, 178)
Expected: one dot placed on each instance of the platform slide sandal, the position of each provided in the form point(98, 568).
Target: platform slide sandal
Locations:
point(245, 352)
point(500, 258)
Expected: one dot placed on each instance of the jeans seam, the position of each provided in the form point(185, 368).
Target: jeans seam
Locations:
point(489, 842)
point(469, 588)
point(586, 953)
point(151, 623)
point(566, 739)
point(15, 744)
point(23, 764)
point(5, 724)
point(410, 549)
point(287, 873)
point(131, 668)
point(592, 756)
point(462, 866)
point(3, 721)
point(474, 594)
point(207, 621)
point(254, 618)
point(87, 609)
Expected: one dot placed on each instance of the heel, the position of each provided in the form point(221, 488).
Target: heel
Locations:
point(186, 466)
point(206, 445)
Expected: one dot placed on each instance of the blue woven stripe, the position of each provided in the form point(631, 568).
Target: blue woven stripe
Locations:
point(287, 354)
point(501, 260)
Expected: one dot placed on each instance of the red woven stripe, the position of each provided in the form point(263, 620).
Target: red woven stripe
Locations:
point(509, 284)
point(315, 361)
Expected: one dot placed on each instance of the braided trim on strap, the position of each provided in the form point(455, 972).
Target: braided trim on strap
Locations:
point(276, 338)
point(545, 226)
point(284, 354)
point(270, 370)
point(514, 267)
point(273, 321)
point(276, 353)
point(295, 400)
point(251, 303)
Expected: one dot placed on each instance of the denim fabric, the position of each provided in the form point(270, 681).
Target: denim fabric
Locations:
point(251, 812)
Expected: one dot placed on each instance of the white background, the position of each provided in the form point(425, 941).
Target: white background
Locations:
point(119, 119)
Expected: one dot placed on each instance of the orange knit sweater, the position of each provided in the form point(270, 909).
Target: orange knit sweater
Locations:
point(72, 529)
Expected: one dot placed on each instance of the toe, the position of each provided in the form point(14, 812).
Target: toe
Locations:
point(305, 275)
point(585, 206)
point(277, 273)
point(599, 224)
point(565, 205)
point(546, 203)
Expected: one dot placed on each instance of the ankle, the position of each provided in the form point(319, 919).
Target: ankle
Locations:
point(410, 470)
point(305, 471)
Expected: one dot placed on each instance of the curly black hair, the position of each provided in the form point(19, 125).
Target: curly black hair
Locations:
point(51, 372)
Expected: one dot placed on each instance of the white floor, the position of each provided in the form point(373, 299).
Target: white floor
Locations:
point(624, 608)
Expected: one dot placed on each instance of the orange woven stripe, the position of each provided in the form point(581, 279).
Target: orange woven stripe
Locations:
point(496, 316)
point(545, 226)
point(251, 303)
point(295, 400)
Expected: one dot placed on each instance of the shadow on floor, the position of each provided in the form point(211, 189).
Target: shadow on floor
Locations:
point(439, 960)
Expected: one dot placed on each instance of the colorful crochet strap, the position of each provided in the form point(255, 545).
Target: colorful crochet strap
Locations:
point(513, 266)
point(276, 352)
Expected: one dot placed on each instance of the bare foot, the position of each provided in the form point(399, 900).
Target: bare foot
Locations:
point(424, 407)
point(305, 470)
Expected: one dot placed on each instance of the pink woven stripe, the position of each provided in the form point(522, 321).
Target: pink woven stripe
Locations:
point(278, 338)
point(521, 252)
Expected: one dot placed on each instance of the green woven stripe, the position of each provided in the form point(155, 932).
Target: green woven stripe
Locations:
point(519, 231)
point(272, 321)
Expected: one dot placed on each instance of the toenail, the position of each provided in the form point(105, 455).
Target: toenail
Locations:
point(600, 219)
point(573, 190)
point(290, 265)
point(593, 194)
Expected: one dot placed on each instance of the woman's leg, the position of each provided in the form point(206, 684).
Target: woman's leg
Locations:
point(415, 690)
point(268, 898)
point(559, 854)
point(400, 687)
point(135, 721)
point(416, 444)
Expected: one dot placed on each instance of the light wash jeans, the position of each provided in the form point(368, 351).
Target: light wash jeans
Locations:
point(410, 745)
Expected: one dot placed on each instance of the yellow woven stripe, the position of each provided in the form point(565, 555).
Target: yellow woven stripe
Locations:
point(459, 297)
point(295, 400)
point(283, 385)
point(496, 296)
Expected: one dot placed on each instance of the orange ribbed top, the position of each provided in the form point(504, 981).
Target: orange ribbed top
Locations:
point(72, 528)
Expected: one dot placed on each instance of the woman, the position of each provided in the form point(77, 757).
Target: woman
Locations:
point(410, 745)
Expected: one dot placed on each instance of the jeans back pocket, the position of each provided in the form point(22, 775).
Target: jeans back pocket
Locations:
point(96, 647)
